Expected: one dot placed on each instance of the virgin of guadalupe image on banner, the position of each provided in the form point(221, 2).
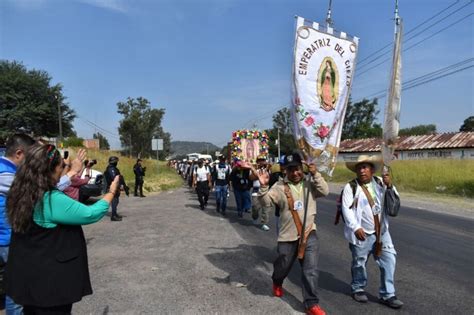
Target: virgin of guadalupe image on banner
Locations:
point(248, 145)
point(323, 70)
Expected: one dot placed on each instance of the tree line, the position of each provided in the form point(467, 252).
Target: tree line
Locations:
point(30, 103)
point(360, 122)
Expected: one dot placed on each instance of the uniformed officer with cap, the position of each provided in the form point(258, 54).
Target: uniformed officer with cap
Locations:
point(109, 175)
point(139, 172)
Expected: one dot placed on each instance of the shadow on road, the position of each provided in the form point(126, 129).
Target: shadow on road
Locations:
point(246, 268)
point(328, 282)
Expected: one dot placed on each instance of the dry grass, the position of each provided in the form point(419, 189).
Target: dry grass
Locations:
point(441, 177)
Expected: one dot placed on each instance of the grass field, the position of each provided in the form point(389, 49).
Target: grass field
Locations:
point(158, 176)
point(449, 177)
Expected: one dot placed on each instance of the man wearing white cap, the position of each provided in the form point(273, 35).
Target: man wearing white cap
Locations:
point(366, 229)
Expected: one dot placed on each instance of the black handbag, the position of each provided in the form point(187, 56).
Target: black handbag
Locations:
point(391, 203)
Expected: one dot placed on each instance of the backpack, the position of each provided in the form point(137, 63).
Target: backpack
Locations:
point(353, 184)
point(215, 171)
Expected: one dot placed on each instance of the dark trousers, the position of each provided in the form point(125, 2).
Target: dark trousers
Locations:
point(202, 189)
point(287, 252)
point(53, 310)
point(114, 204)
point(138, 186)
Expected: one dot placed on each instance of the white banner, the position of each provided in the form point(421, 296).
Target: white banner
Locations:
point(322, 77)
point(391, 124)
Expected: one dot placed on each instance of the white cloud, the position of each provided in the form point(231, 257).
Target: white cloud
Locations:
point(113, 5)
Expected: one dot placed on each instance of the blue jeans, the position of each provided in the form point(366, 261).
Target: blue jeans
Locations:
point(386, 263)
point(221, 197)
point(242, 199)
point(10, 307)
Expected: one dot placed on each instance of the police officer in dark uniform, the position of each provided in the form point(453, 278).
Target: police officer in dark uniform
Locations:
point(139, 171)
point(109, 175)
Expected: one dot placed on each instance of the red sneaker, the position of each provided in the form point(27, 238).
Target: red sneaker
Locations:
point(315, 310)
point(277, 290)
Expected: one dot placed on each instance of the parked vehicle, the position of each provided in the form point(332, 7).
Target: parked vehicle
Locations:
point(94, 187)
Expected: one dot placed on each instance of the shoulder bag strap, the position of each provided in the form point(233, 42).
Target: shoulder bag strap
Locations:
point(378, 243)
point(294, 214)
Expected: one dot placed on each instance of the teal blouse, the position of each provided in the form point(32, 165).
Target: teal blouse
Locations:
point(58, 208)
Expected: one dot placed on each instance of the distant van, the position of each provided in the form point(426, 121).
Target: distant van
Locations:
point(197, 156)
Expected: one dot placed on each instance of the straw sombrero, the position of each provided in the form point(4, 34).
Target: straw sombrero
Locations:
point(375, 160)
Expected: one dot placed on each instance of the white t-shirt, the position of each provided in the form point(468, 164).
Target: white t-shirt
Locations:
point(201, 173)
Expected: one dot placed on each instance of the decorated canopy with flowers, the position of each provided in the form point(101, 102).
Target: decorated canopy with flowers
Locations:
point(248, 145)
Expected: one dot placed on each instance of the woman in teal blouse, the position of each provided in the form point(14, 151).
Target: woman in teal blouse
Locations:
point(47, 270)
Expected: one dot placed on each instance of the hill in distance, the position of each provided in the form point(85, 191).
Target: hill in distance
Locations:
point(180, 148)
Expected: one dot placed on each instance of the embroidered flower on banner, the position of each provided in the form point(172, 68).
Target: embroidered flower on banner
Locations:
point(309, 120)
point(322, 131)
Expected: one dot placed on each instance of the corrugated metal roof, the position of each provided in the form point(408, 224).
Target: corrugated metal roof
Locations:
point(449, 140)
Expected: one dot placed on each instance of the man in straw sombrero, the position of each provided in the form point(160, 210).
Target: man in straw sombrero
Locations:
point(366, 228)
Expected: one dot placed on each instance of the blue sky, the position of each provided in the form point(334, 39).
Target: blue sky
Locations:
point(218, 65)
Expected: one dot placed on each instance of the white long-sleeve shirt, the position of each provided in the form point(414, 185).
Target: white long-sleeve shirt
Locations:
point(361, 214)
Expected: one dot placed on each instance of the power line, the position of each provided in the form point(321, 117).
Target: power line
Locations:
point(408, 32)
point(412, 37)
point(412, 81)
point(90, 123)
point(438, 77)
point(426, 78)
point(263, 116)
point(432, 35)
point(416, 44)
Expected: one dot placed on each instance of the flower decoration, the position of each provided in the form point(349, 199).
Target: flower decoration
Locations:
point(322, 131)
point(309, 120)
point(237, 137)
point(319, 129)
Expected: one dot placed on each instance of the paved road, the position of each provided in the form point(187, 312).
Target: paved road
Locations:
point(167, 256)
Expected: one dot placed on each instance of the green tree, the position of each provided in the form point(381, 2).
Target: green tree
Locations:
point(73, 142)
point(103, 142)
point(468, 124)
point(360, 120)
point(29, 102)
point(418, 130)
point(281, 120)
point(140, 124)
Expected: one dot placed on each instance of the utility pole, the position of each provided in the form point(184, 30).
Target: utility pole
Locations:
point(278, 143)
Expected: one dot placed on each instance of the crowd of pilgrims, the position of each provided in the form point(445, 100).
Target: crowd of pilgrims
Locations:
point(221, 177)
